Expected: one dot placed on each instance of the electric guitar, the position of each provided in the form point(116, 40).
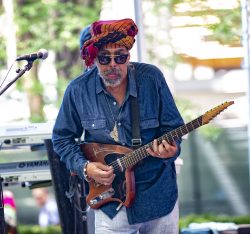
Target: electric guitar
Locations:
point(122, 190)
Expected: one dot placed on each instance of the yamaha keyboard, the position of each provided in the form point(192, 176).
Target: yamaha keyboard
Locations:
point(25, 171)
point(14, 135)
point(23, 157)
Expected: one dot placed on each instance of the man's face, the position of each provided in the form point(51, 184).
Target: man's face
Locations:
point(112, 64)
point(40, 197)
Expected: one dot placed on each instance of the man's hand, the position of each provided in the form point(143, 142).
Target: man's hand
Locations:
point(101, 173)
point(163, 150)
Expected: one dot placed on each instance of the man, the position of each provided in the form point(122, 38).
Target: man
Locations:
point(98, 104)
point(48, 214)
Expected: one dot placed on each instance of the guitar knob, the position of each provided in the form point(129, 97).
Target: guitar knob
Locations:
point(93, 202)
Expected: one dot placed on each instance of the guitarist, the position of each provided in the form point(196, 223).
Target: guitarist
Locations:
point(97, 103)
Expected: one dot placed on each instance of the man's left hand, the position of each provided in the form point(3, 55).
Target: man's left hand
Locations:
point(163, 150)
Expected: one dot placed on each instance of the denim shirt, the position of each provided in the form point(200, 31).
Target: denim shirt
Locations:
point(87, 109)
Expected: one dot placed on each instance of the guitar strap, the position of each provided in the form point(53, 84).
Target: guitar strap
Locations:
point(135, 117)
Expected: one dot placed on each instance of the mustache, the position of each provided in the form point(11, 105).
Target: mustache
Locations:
point(112, 71)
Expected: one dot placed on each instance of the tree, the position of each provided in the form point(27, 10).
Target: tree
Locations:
point(54, 25)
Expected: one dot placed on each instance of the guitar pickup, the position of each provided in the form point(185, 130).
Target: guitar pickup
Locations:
point(107, 194)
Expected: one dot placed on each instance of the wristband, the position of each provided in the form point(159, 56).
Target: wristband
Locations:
point(86, 177)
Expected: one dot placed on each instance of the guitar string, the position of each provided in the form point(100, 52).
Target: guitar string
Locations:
point(192, 125)
point(173, 134)
point(127, 159)
point(123, 159)
point(115, 164)
point(168, 137)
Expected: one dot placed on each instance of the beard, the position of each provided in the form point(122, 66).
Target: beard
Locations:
point(111, 82)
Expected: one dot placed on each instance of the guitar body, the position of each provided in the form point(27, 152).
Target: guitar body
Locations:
point(122, 189)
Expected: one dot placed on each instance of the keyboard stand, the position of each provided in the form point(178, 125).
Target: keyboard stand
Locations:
point(71, 218)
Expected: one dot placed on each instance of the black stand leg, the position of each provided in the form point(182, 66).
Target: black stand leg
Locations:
point(71, 219)
point(2, 222)
point(80, 208)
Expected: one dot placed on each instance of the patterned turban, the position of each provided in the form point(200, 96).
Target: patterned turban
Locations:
point(118, 32)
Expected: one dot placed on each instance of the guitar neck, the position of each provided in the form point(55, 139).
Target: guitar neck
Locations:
point(134, 157)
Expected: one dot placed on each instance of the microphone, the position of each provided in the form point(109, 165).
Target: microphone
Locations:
point(41, 54)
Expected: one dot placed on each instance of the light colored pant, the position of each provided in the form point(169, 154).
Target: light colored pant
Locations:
point(119, 224)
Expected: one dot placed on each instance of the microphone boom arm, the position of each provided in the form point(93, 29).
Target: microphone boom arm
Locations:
point(27, 67)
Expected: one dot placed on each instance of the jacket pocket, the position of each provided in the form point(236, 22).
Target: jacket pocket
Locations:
point(94, 124)
point(149, 123)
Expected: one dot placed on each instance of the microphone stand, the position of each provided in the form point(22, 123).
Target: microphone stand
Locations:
point(20, 72)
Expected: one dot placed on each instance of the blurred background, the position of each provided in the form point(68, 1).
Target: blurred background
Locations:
point(200, 45)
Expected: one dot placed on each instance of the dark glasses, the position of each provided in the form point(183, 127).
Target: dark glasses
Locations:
point(119, 59)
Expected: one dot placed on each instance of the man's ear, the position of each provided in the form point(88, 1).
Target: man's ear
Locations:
point(128, 59)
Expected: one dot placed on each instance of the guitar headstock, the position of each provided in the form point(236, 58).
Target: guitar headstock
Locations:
point(215, 111)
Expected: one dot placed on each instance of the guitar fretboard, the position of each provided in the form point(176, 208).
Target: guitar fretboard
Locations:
point(134, 157)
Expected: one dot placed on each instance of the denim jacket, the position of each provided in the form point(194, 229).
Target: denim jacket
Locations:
point(87, 109)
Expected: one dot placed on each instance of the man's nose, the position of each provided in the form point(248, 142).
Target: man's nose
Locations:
point(112, 62)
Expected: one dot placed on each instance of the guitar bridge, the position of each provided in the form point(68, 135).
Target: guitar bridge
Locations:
point(107, 194)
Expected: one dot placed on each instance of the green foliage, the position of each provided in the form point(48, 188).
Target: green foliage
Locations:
point(56, 26)
point(36, 87)
point(227, 31)
point(189, 111)
point(2, 52)
point(185, 221)
point(51, 24)
point(37, 118)
point(61, 84)
point(32, 26)
point(1, 7)
point(30, 229)
point(211, 132)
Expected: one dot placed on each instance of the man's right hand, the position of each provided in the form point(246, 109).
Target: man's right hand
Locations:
point(101, 173)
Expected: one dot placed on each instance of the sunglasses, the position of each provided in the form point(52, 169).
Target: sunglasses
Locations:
point(119, 59)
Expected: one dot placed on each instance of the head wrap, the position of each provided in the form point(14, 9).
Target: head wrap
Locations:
point(119, 32)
